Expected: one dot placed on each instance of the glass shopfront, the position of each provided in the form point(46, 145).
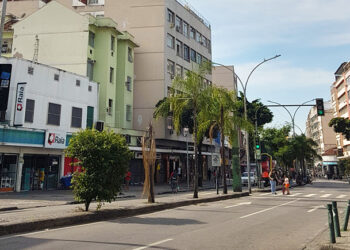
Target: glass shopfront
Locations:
point(8, 166)
point(40, 172)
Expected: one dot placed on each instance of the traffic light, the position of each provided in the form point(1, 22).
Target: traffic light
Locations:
point(319, 106)
point(257, 144)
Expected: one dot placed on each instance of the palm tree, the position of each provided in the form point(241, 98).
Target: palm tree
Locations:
point(218, 112)
point(186, 94)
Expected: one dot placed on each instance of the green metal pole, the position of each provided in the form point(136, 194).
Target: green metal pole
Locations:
point(336, 219)
point(236, 168)
point(346, 221)
point(330, 223)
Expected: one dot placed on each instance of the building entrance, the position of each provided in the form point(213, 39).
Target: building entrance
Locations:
point(40, 172)
point(8, 167)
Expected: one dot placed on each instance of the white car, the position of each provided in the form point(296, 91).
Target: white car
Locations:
point(244, 178)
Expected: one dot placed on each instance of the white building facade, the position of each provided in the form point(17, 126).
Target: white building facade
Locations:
point(40, 108)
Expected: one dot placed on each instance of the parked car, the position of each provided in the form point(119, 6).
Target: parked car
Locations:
point(253, 178)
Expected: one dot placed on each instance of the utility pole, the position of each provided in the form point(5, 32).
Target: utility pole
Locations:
point(3, 15)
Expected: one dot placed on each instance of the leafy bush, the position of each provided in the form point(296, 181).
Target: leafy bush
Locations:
point(104, 157)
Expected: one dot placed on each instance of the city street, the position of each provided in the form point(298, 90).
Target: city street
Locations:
point(261, 221)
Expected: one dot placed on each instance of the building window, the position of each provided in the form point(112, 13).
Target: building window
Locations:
point(77, 114)
point(54, 114)
point(199, 58)
point(185, 71)
point(30, 70)
point(185, 29)
point(178, 24)
point(209, 45)
point(179, 48)
point(128, 113)
point(30, 105)
point(171, 67)
point(90, 88)
point(171, 16)
point(90, 69)
point(56, 77)
point(112, 42)
point(170, 41)
point(130, 56)
point(186, 53)
point(110, 105)
point(204, 41)
point(111, 75)
point(92, 39)
point(128, 83)
point(193, 55)
point(178, 70)
point(192, 32)
point(90, 117)
point(198, 37)
point(77, 83)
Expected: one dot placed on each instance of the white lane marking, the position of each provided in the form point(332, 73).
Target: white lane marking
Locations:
point(239, 204)
point(341, 196)
point(265, 194)
point(314, 208)
point(153, 244)
point(267, 209)
point(309, 195)
point(325, 195)
point(292, 195)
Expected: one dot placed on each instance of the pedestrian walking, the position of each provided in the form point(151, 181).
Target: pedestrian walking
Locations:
point(286, 185)
point(127, 180)
point(273, 180)
point(173, 182)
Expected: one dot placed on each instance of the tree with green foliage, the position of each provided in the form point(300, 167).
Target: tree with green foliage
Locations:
point(273, 139)
point(341, 125)
point(187, 93)
point(104, 157)
point(218, 112)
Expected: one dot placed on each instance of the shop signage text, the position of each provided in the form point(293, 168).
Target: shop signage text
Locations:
point(55, 140)
point(20, 104)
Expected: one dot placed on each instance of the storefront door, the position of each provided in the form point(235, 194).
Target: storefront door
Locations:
point(8, 167)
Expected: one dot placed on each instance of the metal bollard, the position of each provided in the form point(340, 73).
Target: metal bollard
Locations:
point(330, 223)
point(346, 221)
point(336, 219)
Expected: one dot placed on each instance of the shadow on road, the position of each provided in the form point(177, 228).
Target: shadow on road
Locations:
point(158, 221)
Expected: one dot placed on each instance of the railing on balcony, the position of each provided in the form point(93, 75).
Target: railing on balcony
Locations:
point(194, 12)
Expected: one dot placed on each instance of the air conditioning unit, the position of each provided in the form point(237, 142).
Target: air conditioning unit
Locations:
point(99, 126)
point(172, 25)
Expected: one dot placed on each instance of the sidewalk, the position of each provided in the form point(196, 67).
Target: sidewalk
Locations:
point(38, 210)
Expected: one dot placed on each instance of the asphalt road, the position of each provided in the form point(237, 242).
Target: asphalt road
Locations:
point(261, 221)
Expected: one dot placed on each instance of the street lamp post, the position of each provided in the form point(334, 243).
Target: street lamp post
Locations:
point(187, 166)
point(244, 87)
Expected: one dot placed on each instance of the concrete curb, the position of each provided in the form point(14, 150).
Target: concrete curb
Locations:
point(107, 214)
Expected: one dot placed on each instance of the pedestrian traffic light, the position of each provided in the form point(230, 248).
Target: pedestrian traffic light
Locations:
point(319, 106)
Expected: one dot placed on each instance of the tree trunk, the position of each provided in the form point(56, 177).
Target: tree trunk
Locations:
point(195, 179)
point(200, 164)
point(223, 149)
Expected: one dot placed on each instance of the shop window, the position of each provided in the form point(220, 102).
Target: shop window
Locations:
point(54, 114)
point(76, 117)
point(29, 115)
point(8, 166)
point(90, 117)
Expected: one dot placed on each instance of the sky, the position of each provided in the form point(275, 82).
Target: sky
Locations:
point(312, 37)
